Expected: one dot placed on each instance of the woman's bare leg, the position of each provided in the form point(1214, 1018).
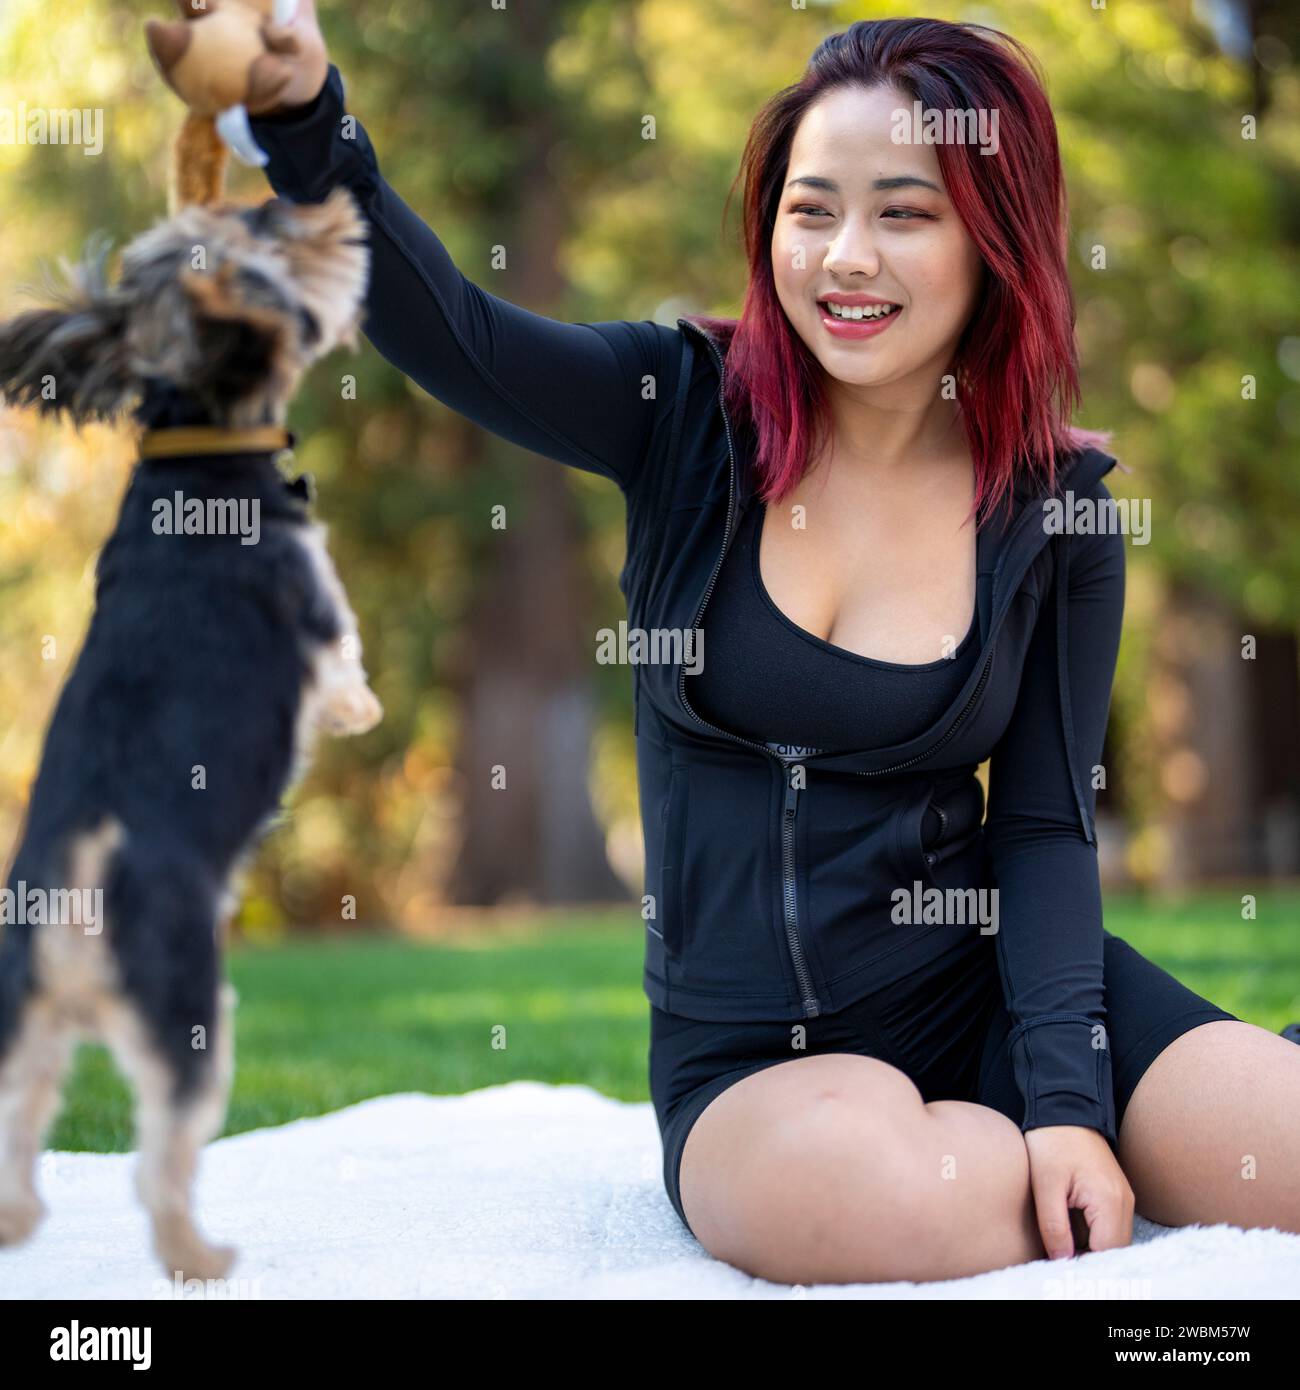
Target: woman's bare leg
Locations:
point(832, 1169)
point(1212, 1132)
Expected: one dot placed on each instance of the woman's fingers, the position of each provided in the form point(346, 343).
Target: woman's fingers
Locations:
point(299, 45)
point(283, 41)
point(1051, 1188)
point(288, 15)
point(1072, 1167)
point(1110, 1217)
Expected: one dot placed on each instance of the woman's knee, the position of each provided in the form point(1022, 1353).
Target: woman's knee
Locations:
point(826, 1199)
point(843, 1173)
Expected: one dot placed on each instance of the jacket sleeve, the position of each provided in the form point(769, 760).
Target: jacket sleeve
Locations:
point(574, 392)
point(1044, 865)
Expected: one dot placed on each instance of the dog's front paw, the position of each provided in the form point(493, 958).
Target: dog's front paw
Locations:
point(19, 1217)
point(350, 709)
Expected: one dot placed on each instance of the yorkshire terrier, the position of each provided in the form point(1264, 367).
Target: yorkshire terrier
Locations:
point(221, 643)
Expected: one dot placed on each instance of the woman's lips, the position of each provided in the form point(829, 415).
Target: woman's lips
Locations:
point(855, 328)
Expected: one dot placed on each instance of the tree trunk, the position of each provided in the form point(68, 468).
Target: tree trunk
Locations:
point(527, 699)
point(1205, 699)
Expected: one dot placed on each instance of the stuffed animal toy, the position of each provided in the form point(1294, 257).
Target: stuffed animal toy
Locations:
point(218, 59)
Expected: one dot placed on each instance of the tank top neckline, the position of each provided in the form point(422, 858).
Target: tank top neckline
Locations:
point(760, 515)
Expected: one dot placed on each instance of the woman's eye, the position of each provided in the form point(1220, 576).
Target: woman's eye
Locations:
point(896, 214)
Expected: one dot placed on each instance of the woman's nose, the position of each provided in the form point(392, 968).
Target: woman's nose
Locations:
point(854, 249)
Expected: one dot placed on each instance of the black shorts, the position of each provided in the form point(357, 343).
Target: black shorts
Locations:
point(945, 1026)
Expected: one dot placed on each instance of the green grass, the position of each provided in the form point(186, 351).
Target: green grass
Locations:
point(325, 1022)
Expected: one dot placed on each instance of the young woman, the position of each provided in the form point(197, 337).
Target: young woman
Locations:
point(890, 1038)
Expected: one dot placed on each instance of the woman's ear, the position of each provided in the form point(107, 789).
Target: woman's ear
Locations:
point(73, 359)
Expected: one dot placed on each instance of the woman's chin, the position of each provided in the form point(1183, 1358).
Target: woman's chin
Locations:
point(854, 368)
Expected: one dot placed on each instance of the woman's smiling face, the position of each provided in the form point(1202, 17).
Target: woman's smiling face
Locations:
point(866, 220)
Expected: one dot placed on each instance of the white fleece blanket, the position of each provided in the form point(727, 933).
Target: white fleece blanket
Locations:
point(522, 1190)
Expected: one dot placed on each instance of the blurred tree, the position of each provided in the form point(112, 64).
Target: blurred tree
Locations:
point(596, 140)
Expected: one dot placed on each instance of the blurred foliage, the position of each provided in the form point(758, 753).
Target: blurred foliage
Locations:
point(1198, 291)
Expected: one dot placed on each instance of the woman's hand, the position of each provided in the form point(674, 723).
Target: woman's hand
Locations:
point(1071, 1166)
point(300, 46)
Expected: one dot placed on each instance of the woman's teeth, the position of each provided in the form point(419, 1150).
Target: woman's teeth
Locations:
point(861, 311)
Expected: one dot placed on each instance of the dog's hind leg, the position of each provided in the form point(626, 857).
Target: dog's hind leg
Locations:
point(31, 1075)
point(172, 1035)
point(172, 1125)
point(54, 974)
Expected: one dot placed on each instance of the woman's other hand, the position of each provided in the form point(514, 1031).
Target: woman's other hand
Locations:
point(1073, 1167)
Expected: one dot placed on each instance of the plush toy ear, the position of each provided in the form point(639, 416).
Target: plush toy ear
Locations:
point(75, 359)
point(167, 41)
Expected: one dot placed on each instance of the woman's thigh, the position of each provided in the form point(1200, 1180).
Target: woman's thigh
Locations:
point(1213, 1130)
point(832, 1168)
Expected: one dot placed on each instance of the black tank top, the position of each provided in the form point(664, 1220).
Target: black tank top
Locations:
point(770, 680)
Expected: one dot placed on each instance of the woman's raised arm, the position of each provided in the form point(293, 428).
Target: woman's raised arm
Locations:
point(581, 393)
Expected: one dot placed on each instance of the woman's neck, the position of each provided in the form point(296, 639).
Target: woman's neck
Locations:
point(880, 435)
point(885, 428)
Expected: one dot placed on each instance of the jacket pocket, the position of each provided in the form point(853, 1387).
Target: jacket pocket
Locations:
point(912, 833)
point(950, 826)
point(672, 925)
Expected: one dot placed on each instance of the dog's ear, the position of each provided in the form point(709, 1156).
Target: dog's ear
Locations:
point(74, 359)
point(326, 246)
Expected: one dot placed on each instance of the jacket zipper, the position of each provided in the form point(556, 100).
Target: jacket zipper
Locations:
point(811, 1003)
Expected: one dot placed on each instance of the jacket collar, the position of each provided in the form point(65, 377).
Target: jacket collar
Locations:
point(1005, 549)
point(1006, 546)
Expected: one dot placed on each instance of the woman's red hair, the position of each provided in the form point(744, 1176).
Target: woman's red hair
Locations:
point(1016, 365)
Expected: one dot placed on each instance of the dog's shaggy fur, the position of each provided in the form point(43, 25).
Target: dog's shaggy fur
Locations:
point(209, 666)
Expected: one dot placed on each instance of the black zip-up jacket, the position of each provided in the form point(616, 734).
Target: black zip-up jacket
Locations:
point(769, 884)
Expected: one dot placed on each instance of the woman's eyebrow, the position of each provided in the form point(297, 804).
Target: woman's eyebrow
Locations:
point(900, 181)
